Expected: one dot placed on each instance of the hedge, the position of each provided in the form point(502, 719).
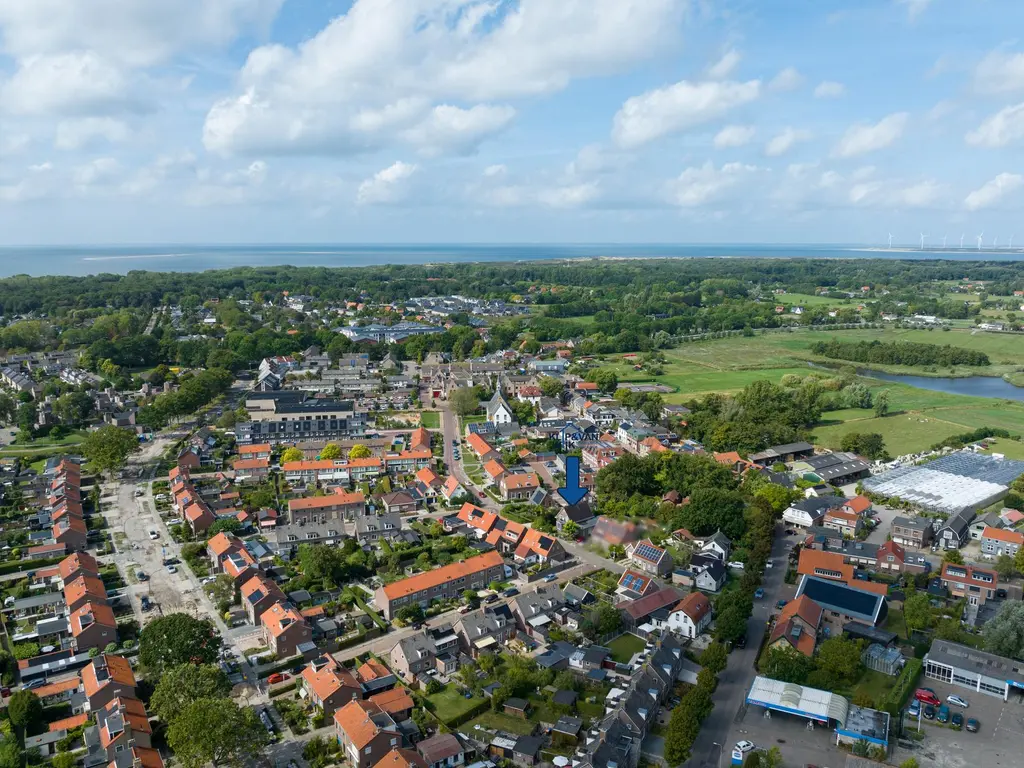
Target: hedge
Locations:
point(904, 686)
point(28, 565)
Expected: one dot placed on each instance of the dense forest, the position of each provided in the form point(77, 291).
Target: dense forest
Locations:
point(899, 353)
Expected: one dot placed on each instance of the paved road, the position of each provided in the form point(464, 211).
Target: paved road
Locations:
point(720, 727)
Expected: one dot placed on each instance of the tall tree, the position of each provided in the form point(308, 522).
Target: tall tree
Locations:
point(26, 711)
point(331, 452)
point(917, 612)
point(218, 731)
point(359, 451)
point(882, 403)
point(176, 639)
point(108, 448)
point(464, 401)
point(292, 454)
point(1004, 633)
point(181, 685)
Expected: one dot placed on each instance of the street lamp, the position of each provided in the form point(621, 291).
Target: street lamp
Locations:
point(721, 751)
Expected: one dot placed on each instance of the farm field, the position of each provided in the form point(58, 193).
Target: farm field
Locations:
point(918, 418)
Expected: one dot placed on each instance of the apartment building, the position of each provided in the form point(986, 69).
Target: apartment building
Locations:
point(442, 583)
point(340, 505)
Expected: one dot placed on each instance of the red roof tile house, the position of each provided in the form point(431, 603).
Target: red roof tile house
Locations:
point(538, 547)
point(284, 630)
point(366, 733)
point(83, 589)
point(71, 532)
point(858, 505)
point(967, 581)
point(691, 616)
point(105, 678)
point(329, 685)
point(517, 487)
point(611, 532)
point(199, 517)
point(396, 702)
point(92, 626)
point(251, 470)
point(1000, 541)
point(797, 626)
point(480, 520)
point(121, 724)
point(220, 546)
point(258, 594)
point(402, 758)
point(847, 523)
point(78, 564)
point(494, 470)
point(257, 451)
point(441, 583)
point(340, 505)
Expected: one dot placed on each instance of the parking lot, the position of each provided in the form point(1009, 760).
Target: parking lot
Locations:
point(798, 744)
point(998, 742)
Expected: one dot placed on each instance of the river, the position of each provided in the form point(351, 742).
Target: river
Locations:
point(976, 386)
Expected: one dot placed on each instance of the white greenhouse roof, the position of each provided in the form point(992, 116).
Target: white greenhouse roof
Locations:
point(798, 699)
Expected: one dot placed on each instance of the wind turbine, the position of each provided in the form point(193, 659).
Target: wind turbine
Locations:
point(979, 240)
point(995, 242)
point(1010, 246)
point(923, 236)
point(890, 240)
point(943, 242)
point(961, 241)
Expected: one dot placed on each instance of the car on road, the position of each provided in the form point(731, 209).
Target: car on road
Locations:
point(141, 576)
point(972, 725)
point(957, 720)
point(278, 677)
point(153, 535)
point(769, 564)
point(929, 712)
point(957, 701)
point(744, 746)
point(146, 605)
point(510, 592)
point(172, 569)
point(550, 577)
point(758, 593)
point(481, 494)
point(741, 642)
point(139, 492)
point(781, 603)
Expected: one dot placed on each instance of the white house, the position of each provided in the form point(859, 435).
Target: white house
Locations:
point(808, 512)
point(498, 410)
point(716, 545)
point(690, 616)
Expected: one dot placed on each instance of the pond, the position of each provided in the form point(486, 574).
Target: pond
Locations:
point(976, 386)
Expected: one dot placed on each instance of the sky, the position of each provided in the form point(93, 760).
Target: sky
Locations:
point(511, 121)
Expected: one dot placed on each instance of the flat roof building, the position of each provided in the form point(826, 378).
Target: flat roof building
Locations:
point(973, 669)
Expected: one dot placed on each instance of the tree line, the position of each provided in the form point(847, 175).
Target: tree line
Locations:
point(899, 353)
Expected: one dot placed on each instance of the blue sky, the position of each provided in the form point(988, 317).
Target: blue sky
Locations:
point(151, 121)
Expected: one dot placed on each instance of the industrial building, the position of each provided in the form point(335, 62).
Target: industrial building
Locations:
point(973, 669)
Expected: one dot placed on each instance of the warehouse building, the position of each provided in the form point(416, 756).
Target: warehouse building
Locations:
point(972, 669)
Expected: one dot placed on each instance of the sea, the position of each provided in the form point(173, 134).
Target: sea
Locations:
point(87, 260)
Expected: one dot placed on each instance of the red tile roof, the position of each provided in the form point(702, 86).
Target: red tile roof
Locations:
point(421, 581)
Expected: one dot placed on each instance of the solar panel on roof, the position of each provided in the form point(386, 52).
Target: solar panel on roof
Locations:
point(647, 552)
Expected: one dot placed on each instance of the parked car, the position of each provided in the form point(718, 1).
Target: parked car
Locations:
point(957, 701)
point(742, 641)
point(972, 725)
point(758, 593)
point(769, 564)
point(915, 708)
point(550, 577)
point(943, 716)
point(146, 605)
point(141, 576)
point(510, 592)
point(277, 677)
point(927, 696)
point(172, 569)
point(35, 684)
point(957, 720)
point(154, 535)
point(744, 746)
point(1001, 593)
point(781, 603)
point(929, 712)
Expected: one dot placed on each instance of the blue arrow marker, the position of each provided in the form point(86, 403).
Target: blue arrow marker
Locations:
point(572, 492)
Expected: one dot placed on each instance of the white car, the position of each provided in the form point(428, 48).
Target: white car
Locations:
point(172, 569)
point(744, 746)
point(154, 535)
point(735, 564)
point(957, 701)
point(769, 564)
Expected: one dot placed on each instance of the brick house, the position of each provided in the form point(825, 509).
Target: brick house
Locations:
point(92, 626)
point(329, 685)
point(971, 582)
point(284, 629)
point(105, 678)
point(915, 532)
point(518, 487)
point(366, 733)
point(258, 594)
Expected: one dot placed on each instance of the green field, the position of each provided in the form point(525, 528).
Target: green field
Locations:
point(430, 419)
point(918, 418)
point(624, 646)
point(449, 703)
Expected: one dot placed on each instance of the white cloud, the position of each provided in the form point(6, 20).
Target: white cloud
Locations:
point(1000, 72)
point(829, 89)
point(862, 138)
point(698, 186)
point(70, 83)
point(664, 111)
point(102, 170)
point(914, 7)
point(734, 136)
point(993, 191)
point(786, 140)
point(787, 80)
point(400, 60)
point(897, 194)
point(88, 131)
point(180, 166)
point(569, 196)
point(386, 186)
point(451, 129)
point(725, 66)
point(922, 195)
point(495, 170)
point(1004, 127)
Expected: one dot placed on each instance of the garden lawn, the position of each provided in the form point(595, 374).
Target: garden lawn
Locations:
point(876, 685)
point(499, 721)
point(895, 623)
point(624, 646)
point(430, 419)
point(449, 703)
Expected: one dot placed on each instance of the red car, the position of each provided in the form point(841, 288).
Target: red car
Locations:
point(277, 677)
point(926, 696)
